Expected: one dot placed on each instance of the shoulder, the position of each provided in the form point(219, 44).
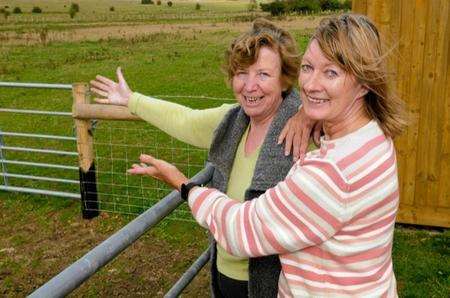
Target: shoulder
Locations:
point(229, 113)
point(365, 154)
point(215, 114)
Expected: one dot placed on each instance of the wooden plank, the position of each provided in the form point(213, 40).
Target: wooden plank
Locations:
point(393, 46)
point(411, 51)
point(439, 78)
point(373, 12)
point(101, 111)
point(400, 58)
point(359, 6)
point(384, 18)
point(414, 95)
point(444, 96)
point(424, 215)
point(428, 142)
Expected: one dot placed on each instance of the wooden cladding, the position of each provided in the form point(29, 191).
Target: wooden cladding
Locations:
point(418, 36)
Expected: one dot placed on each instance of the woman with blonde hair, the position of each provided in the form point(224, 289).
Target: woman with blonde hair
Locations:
point(331, 221)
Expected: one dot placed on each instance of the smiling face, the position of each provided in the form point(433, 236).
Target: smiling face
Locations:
point(258, 88)
point(328, 92)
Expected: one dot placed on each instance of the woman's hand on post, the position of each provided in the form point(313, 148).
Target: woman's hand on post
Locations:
point(159, 169)
point(111, 92)
point(296, 134)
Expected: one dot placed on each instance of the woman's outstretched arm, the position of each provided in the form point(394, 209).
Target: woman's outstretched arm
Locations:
point(305, 209)
point(192, 126)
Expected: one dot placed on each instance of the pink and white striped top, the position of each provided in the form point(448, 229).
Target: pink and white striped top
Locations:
point(331, 220)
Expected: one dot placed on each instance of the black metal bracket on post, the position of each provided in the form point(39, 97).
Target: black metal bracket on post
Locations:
point(2, 157)
point(89, 195)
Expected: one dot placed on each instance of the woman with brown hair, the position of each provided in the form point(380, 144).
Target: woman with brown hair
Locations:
point(331, 221)
point(262, 66)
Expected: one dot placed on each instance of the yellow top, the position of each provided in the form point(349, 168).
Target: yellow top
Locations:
point(196, 127)
point(240, 179)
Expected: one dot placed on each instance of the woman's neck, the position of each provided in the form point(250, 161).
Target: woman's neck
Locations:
point(256, 134)
point(353, 120)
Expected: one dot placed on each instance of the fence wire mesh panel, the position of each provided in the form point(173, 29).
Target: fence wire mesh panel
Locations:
point(38, 148)
point(118, 145)
point(118, 148)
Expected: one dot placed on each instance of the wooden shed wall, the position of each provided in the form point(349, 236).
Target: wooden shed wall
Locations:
point(418, 32)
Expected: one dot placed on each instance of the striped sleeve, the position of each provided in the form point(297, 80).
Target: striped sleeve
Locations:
point(304, 210)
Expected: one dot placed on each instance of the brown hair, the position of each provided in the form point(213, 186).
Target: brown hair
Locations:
point(352, 41)
point(244, 51)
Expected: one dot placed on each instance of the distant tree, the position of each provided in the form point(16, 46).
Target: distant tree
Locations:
point(17, 10)
point(72, 11)
point(147, 2)
point(347, 5)
point(275, 8)
point(197, 6)
point(112, 8)
point(158, 2)
point(330, 4)
point(301, 6)
point(280, 7)
point(36, 9)
point(169, 3)
point(75, 7)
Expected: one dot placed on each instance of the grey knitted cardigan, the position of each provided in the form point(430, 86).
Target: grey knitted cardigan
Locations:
point(271, 167)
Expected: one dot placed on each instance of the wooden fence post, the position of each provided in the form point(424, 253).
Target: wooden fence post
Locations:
point(85, 148)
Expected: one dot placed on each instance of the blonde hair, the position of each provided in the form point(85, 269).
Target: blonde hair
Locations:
point(352, 42)
point(244, 51)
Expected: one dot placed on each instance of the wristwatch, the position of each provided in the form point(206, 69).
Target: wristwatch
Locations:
point(186, 188)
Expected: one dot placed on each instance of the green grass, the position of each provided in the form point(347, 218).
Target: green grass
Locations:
point(55, 14)
point(422, 262)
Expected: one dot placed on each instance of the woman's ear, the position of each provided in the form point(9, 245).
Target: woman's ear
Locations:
point(284, 84)
point(363, 90)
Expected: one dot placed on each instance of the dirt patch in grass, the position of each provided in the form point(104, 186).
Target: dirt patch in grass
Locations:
point(37, 242)
point(134, 31)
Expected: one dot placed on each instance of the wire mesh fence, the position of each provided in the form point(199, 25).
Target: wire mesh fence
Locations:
point(118, 146)
point(39, 151)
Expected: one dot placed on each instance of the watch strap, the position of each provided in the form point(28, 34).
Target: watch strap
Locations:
point(186, 188)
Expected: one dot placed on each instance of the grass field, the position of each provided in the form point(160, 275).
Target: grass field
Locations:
point(55, 14)
point(163, 51)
